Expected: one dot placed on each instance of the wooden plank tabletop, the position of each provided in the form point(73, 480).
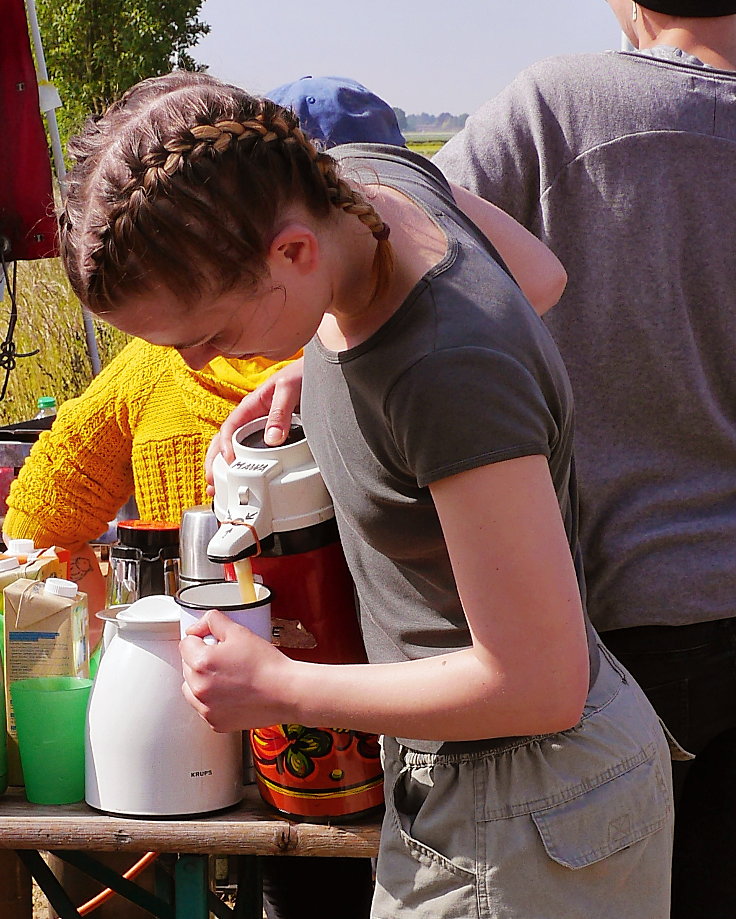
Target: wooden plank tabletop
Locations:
point(251, 828)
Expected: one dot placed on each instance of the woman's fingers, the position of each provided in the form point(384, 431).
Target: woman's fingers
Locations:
point(287, 394)
point(277, 398)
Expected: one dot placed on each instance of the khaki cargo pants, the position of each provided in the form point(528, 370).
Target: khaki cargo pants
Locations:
point(575, 825)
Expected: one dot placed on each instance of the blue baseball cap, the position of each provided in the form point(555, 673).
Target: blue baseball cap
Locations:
point(336, 110)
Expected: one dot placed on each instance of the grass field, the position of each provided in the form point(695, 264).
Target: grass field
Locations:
point(428, 146)
point(50, 320)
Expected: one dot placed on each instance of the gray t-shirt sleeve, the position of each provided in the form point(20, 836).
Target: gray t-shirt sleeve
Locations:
point(503, 151)
point(461, 408)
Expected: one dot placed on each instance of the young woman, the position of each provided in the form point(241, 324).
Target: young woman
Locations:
point(526, 774)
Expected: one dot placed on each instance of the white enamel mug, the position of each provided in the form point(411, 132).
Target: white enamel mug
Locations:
point(196, 600)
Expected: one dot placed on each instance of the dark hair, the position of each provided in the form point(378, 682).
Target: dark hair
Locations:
point(180, 183)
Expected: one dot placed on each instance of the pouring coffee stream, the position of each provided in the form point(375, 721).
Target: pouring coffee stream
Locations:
point(244, 577)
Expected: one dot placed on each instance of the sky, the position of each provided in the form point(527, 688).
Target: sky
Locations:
point(418, 55)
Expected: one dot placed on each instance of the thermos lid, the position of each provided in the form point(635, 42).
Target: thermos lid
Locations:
point(150, 536)
point(60, 587)
point(158, 608)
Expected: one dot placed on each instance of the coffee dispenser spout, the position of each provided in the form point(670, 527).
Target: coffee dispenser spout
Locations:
point(235, 539)
point(266, 493)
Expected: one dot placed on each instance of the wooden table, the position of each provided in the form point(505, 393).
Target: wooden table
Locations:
point(249, 830)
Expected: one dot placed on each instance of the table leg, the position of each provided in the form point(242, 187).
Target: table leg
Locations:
point(163, 877)
point(191, 894)
point(194, 900)
point(191, 881)
point(15, 887)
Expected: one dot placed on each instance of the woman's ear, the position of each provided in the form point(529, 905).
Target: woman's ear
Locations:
point(294, 248)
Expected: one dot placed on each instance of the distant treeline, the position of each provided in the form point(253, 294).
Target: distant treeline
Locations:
point(442, 123)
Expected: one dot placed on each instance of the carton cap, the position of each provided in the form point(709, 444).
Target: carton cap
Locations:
point(60, 587)
point(21, 546)
point(9, 564)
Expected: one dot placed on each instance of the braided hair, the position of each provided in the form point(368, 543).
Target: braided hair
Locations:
point(180, 183)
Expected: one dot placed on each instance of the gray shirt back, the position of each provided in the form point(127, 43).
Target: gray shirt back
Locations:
point(625, 165)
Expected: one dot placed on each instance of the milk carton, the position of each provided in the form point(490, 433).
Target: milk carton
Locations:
point(23, 561)
point(46, 634)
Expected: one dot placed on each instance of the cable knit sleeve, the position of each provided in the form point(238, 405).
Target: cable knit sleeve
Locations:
point(79, 473)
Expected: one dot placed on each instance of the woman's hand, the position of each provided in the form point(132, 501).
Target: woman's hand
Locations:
point(238, 683)
point(277, 398)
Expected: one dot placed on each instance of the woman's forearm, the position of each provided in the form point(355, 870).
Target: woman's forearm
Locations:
point(242, 682)
point(526, 671)
point(454, 696)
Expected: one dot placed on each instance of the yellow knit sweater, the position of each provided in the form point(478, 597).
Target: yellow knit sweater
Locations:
point(142, 426)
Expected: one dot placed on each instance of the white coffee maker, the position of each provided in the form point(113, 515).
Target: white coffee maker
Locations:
point(148, 752)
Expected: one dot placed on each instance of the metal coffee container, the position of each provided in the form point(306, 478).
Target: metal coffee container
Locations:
point(198, 526)
point(144, 562)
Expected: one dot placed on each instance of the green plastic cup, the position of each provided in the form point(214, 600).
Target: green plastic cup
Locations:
point(94, 661)
point(50, 714)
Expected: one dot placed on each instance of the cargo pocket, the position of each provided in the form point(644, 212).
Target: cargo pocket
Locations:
point(606, 819)
point(414, 878)
point(433, 812)
point(433, 818)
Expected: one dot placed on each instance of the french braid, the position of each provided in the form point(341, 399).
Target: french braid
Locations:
point(180, 183)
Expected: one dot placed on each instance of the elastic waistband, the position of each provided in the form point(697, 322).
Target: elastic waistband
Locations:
point(467, 747)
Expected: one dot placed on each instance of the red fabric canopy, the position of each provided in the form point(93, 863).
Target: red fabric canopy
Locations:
point(26, 199)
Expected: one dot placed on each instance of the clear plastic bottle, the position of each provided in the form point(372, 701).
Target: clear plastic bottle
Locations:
point(46, 407)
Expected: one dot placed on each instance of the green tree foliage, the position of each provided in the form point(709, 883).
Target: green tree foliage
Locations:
point(444, 122)
point(96, 49)
point(400, 118)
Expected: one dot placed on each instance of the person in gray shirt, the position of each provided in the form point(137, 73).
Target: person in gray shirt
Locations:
point(624, 163)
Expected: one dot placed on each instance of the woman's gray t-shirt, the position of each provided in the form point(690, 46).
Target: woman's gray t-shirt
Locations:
point(462, 375)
